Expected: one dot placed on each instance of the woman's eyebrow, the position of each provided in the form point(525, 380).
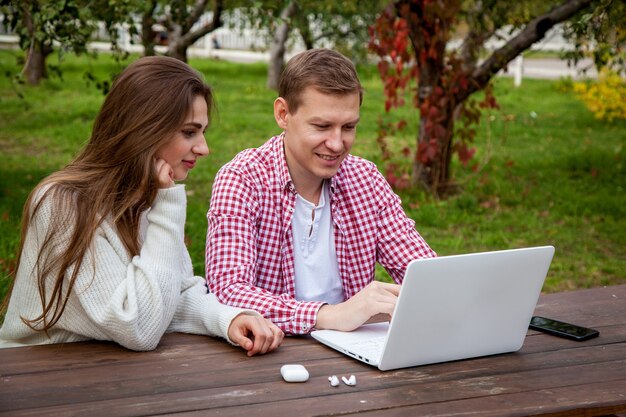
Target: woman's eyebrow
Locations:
point(193, 124)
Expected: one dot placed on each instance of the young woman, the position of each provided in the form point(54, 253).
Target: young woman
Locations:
point(102, 253)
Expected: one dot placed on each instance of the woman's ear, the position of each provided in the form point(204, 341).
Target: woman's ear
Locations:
point(281, 112)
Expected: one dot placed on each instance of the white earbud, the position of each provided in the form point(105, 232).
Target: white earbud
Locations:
point(349, 381)
point(334, 381)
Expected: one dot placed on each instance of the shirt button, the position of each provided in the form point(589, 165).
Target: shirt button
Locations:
point(291, 209)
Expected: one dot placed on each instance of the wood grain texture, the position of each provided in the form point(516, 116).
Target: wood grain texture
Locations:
point(191, 375)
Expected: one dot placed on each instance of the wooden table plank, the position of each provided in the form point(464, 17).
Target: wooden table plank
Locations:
point(208, 390)
point(202, 402)
point(517, 387)
point(195, 375)
point(607, 308)
point(176, 375)
point(599, 399)
point(594, 307)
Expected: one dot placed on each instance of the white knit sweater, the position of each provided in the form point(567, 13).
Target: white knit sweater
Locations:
point(131, 301)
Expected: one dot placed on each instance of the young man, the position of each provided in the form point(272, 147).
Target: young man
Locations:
point(297, 225)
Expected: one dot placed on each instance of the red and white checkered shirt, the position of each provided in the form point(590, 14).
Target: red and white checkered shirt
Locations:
point(250, 253)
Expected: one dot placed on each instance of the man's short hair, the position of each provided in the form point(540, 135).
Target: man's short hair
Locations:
point(326, 70)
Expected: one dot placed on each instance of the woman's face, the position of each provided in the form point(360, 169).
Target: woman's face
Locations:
point(189, 143)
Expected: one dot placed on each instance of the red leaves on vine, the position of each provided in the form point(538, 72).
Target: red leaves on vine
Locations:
point(427, 150)
point(465, 152)
point(410, 37)
point(398, 182)
point(489, 102)
point(389, 39)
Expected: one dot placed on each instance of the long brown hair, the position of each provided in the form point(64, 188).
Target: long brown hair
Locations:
point(114, 175)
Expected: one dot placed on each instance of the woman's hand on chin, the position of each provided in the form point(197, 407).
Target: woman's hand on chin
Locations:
point(165, 174)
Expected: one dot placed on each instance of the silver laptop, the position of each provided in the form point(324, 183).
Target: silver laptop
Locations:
point(453, 307)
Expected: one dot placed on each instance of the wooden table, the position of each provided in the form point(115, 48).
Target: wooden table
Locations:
point(199, 376)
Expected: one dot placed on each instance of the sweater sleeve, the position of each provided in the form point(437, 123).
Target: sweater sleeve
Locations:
point(132, 302)
point(157, 292)
point(201, 313)
point(129, 300)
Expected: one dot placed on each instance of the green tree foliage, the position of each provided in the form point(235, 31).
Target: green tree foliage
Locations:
point(341, 25)
point(67, 26)
point(40, 24)
point(600, 34)
point(43, 25)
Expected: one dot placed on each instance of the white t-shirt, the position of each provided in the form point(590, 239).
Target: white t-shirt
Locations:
point(315, 259)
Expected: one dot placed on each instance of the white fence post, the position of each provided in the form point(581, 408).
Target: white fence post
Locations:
point(518, 70)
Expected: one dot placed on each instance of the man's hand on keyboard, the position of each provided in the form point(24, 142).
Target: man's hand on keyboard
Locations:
point(376, 300)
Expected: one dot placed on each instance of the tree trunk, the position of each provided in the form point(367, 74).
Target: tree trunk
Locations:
point(302, 23)
point(182, 37)
point(533, 32)
point(38, 51)
point(177, 47)
point(434, 176)
point(147, 34)
point(177, 50)
point(434, 140)
point(277, 48)
point(35, 67)
point(439, 101)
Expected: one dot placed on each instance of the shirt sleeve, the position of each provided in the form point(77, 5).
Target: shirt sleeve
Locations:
point(231, 257)
point(399, 242)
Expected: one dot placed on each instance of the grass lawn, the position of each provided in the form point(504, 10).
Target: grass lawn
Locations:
point(549, 173)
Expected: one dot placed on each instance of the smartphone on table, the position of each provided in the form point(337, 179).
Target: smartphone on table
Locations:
point(562, 329)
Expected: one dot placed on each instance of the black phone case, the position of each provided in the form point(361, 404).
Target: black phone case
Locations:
point(583, 333)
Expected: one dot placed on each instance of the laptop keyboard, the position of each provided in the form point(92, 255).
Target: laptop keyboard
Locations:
point(370, 348)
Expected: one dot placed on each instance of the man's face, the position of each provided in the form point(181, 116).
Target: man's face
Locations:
point(318, 136)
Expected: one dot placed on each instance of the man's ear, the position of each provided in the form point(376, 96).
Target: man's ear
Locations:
point(281, 112)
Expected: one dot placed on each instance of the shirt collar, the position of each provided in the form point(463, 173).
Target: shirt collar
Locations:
point(282, 170)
